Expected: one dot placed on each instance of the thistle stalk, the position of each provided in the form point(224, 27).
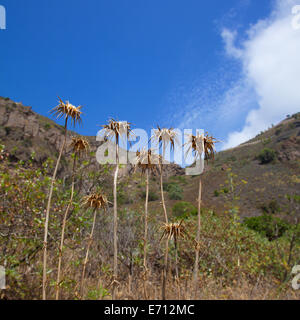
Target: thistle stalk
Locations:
point(115, 267)
point(165, 268)
point(48, 212)
point(63, 231)
point(146, 234)
point(146, 161)
point(87, 252)
point(67, 111)
point(162, 188)
point(95, 201)
point(197, 249)
point(176, 268)
point(163, 137)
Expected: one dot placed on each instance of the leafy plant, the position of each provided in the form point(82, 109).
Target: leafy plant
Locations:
point(268, 226)
point(183, 210)
point(175, 192)
point(266, 156)
point(152, 196)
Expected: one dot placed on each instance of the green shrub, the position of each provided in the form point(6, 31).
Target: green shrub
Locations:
point(47, 126)
point(216, 193)
point(268, 226)
point(267, 155)
point(151, 197)
point(7, 130)
point(184, 210)
point(168, 185)
point(175, 192)
point(272, 207)
point(179, 179)
point(225, 190)
point(123, 198)
point(278, 131)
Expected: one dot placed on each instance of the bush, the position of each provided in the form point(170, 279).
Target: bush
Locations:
point(179, 179)
point(152, 196)
point(123, 198)
point(225, 190)
point(272, 207)
point(267, 155)
point(175, 192)
point(167, 186)
point(47, 126)
point(216, 193)
point(184, 210)
point(268, 226)
point(278, 131)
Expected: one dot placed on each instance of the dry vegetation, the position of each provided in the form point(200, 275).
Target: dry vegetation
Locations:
point(108, 242)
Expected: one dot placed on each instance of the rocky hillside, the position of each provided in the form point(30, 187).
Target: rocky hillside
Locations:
point(259, 182)
point(24, 132)
point(267, 168)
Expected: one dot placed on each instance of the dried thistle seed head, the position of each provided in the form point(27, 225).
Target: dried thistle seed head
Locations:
point(195, 144)
point(146, 159)
point(67, 110)
point(80, 145)
point(116, 129)
point(96, 201)
point(165, 136)
point(173, 230)
point(209, 147)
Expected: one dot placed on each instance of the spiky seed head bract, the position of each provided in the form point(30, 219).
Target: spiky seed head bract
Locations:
point(196, 144)
point(116, 129)
point(79, 145)
point(173, 230)
point(164, 136)
point(209, 147)
point(95, 200)
point(67, 110)
point(146, 159)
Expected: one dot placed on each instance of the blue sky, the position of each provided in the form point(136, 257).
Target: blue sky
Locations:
point(148, 62)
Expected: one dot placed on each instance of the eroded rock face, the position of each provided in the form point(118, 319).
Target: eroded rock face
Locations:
point(23, 131)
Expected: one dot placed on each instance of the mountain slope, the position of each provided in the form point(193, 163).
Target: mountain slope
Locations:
point(263, 183)
point(23, 131)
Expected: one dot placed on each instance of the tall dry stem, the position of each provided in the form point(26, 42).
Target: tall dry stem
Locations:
point(95, 201)
point(197, 249)
point(79, 145)
point(146, 236)
point(115, 130)
point(66, 110)
point(115, 267)
point(145, 160)
point(63, 231)
point(165, 270)
point(164, 137)
point(48, 212)
point(87, 252)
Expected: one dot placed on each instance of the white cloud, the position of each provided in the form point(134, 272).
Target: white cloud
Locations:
point(229, 38)
point(271, 66)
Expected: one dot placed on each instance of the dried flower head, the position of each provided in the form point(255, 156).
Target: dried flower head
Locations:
point(79, 145)
point(67, 110)
point(195, 144)
point(96, 201)
point(165, 136)
point(173, 230)
point(146, 159)
point(116, 129)
point(209, 147)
